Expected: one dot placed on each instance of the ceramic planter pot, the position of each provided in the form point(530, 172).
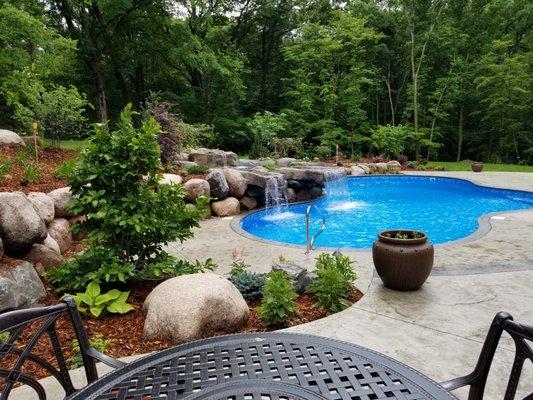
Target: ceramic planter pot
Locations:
point(477, 166)
point(403, 264)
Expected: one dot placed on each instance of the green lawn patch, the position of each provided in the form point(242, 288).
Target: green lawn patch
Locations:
point(463, 166)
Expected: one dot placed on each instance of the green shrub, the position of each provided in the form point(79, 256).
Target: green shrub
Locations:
point(169, 266)
point(249, 284)
point(97, 342)
point(94, 302)
point(5, 166)
point(238, 266)
point(65, 170)
point(129, 215)
point(197, 170)
point(333, 283)
point(278, 303)
point(31, 172)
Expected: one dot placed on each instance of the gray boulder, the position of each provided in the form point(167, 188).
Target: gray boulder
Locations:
point(196, 188)
point(20, 225)
point(248, 202)
point(10, 139)
point(193, 306)
point(59, 230)
point(170, 179)
point(394, 166)
point(44, 205)
point(236, 182)
point(52, 244)
point(357, 171)
point(20, 286)
point(299, 277)
point(364, 167)
point(186, 164)
point(213, 158)
point(226, 207)
point(318, 175)
point(290, 195)
point(260, 179)
point(285, 162)
point(61, 198)
point(218, 186)
point(42, 257)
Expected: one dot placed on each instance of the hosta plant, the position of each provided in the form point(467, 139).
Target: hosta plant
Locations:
point(94, 302)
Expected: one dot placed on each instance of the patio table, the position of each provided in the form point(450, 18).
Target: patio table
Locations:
point(264, 366)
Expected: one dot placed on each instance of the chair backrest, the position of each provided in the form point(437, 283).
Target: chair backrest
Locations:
point(43, 323)
point(522, 336)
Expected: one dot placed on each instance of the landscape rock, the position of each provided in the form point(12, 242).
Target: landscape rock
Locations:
point(193, 306)
point(61, 198)
point(52, 244)
point(380, 167)
point(218, 186)
point(285, 162)
point(318, 175)
point(213, 158)
point(309, 194)
point(20, 286)
point(186, 164)
point(196, 188)
point(254, 163)
point(30, 140)
point(364, 167)
point(182, 157)
point(248, 202)
point(59, 230)
point(299, 277)
point(10, 139)
point(44, 205)
point(170, 179)
point(42, 257)
point(357, 171)
point(226, 208)
point(394, 165)
point(261, 179)
point(236, 182)
point(290, 195)
point(20, 225)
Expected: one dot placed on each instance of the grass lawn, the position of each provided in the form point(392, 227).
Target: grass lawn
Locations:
point(70, 144)
point(461, 166)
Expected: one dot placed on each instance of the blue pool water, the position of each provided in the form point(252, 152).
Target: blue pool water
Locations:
point(356, 209)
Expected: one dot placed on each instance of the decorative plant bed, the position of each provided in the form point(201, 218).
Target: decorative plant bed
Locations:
point(403, 258)
point(125, 331)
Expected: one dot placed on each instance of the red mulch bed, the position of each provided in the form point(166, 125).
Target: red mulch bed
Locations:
point(49, 160)
point(125, 331)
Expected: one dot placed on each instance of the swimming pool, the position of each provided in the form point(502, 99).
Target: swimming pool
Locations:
point(356, 209)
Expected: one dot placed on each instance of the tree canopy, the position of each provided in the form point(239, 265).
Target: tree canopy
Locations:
point(453, 78)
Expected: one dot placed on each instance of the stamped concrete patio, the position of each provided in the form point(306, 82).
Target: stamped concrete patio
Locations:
point(439, 329)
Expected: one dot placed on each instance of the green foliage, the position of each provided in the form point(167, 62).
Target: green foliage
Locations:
point(4, 337)
point(94, 302)
point(97, 342)
point(250, 284)
point(333, 283)
point(129, 215)
point(5, 166)
point(169, 266)
point(31, 172)
point(264, 129)
point(65, 170)
point(390, 140)
point(197, 170)
point(278, 304)
point(238, 266)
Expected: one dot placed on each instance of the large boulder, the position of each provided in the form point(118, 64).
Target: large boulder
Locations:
point(319, 175)
point(170, 179)
point(213, 158)
point(44, 205)
point(193, 306)
point(299, 277)
point(226, 207)
point(61, 198)
point(394, 166)
point(380, 166)
point(217, 184)
point(290, 195)
point(248, 202)
point(364, 167)
point(262, 178)
point(42, 257)
point(357, 171)
point(20, 225)
point(243, 163)
point(236, 182)
point(186, 164)
point(285, 162)
point(52, 244)
point(59, 230)
point(10, 139)
point(196, 188)
point(20, 286)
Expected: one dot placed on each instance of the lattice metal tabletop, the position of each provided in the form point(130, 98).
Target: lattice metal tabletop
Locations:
point(264, 366)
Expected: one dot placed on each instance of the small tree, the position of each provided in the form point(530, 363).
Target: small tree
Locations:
point(129, 215)
point(264, 129)
point(389, 140)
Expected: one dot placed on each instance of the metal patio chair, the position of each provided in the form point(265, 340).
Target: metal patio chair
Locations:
point(477, 379)
point(15, 322)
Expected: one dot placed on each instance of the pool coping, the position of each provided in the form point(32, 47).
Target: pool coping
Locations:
point(484, 221)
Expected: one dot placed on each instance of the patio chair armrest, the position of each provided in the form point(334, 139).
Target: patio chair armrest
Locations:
point(105, 359)
point(457, 383)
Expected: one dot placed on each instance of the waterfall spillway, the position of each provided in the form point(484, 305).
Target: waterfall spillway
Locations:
point(275, 192)
point(338, 197)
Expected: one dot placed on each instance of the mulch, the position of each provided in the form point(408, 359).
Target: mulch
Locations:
point(49, 160)
point(125, 331)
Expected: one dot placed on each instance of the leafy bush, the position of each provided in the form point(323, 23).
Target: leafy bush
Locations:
point(390, 140)
point(65, 170)
point(97, 342)
point(197, 170)
point(250, 284)
point(94, 302)
point(169, 266)
point(333, 283)
point(31, 172)
point(323, 152)
point(129, 215)
point(264, 129)
point(5, 166)
point(278, 303)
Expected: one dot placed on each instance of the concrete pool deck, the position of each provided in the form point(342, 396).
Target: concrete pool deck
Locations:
point(438, 329)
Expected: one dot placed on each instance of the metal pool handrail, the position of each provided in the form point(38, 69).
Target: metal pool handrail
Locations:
point(311, 240)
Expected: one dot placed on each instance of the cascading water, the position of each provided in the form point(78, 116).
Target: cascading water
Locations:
point(275, 200)
point(337, 191)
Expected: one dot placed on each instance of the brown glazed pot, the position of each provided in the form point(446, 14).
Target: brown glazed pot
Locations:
point(477, 166)
point(402, 264)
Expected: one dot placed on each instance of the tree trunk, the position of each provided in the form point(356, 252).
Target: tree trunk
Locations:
point(414, 74)
point(99, 88)
point(460, 139)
